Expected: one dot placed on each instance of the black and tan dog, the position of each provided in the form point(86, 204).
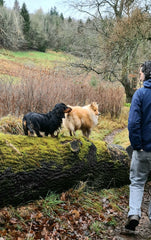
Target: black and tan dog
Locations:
point(47, 123)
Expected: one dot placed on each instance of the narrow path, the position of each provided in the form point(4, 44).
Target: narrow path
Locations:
point(143, 231)
point(110, 137)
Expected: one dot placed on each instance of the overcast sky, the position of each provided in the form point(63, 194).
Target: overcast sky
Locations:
point(46, 5)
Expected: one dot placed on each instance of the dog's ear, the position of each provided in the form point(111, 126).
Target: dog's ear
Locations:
point(67, 110)
point(95, 108)
point(94, 105)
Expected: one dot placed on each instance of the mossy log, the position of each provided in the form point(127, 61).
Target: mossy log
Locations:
point(30, 167)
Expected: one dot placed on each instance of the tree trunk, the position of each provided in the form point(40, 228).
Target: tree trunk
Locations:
point(127, 84)
point(31, 166)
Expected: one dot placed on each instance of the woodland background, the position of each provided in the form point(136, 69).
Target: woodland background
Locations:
point(112, 41)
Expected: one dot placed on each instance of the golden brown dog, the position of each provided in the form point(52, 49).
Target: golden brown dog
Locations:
point(82, 118)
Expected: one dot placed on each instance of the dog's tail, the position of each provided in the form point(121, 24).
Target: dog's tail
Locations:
point(27, 126)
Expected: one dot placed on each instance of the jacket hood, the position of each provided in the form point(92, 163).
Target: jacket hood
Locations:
point(147, 83)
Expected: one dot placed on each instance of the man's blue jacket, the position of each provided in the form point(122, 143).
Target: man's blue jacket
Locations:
point(139, 122)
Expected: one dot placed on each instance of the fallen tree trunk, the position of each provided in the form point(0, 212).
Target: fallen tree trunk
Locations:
point(30, 167)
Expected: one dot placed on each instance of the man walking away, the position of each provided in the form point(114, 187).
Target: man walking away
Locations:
point(139, 126)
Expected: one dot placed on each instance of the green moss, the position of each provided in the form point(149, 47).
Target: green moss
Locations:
point(26, 153)
point(23, 153)
point(84, 149)
point(102, 150)
point(84, 145)
point(105, 154)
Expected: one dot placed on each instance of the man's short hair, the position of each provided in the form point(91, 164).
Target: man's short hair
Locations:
point(146, 69)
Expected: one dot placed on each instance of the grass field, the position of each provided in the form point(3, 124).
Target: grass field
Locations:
point(39, 58)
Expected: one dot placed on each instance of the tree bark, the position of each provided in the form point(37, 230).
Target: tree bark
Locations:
point(30, 167)
point(125, 81)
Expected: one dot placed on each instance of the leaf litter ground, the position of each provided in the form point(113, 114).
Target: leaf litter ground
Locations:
point(75, 214)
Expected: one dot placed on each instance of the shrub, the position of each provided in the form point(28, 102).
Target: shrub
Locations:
point(40, 90)
point(11, 124)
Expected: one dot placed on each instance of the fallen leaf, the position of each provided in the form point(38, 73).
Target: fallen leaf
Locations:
point(75, 214)
point(63, 197)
